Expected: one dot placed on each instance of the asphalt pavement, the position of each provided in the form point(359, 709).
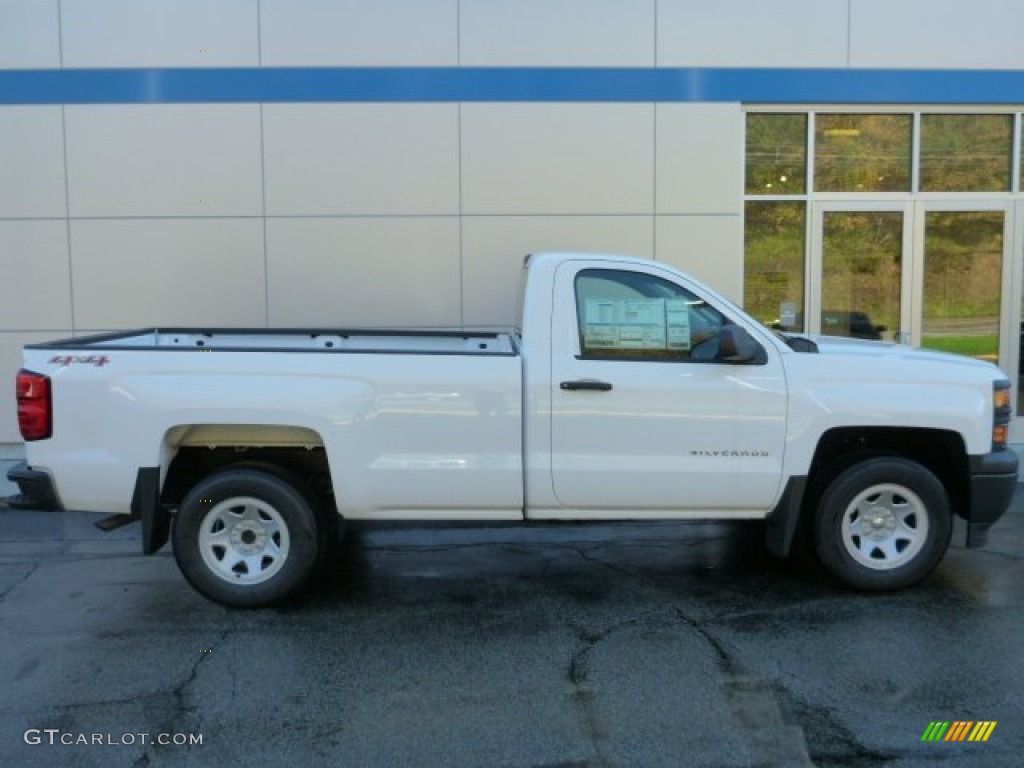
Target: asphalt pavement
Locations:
point(527, 647)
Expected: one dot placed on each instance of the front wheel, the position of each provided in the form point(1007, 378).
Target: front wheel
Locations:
point(246, 538)
point(883, 524)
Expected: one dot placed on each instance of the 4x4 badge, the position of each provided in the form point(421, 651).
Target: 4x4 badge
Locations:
point(98, 360)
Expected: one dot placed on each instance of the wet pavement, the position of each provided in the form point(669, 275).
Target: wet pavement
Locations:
point(530, 647)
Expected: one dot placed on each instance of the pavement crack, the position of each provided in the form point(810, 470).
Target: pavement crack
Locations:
point(578, 673)
point(771, 740)
point(585, 555)
point(830, 741)
point(996, 553)
point(33, 567)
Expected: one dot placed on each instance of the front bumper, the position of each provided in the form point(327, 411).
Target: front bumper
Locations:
point(993, 480)
point(36, 489)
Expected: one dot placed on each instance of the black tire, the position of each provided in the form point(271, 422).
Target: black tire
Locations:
point(883, 524)
point(247, 538)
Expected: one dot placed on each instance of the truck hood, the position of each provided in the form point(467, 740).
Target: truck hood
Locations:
point(847, 347)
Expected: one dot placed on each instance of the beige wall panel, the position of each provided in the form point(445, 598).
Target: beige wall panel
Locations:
point(558, 158)
point(159, 33)
point(29, 34)
point(191, 272)
point(164, 160)
point(31, 162)
point(10, 362)
point(361, 159)
point(700, 158)
point(35, 293)
point(347, 33)
point(708, 247)
point(940, 34)
point(554, 33)
point(382, 272)
point(494, 248)
point(752, 33)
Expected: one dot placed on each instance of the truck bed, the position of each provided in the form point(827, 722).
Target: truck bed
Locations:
point(297, 340)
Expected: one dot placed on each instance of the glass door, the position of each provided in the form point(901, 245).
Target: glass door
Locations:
point(962, 277)
point(860, 271)
point(934, 274)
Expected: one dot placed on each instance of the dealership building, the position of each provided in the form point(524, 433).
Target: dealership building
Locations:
point(849, 167)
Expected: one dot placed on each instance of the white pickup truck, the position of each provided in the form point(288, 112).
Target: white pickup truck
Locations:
point(632, 393)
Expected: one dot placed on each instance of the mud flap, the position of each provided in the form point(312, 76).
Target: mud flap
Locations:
point(146, 506)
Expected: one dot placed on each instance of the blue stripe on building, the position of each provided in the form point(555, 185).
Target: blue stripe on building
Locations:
point(447, 84)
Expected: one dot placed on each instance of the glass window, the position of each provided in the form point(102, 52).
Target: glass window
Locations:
point(862, 153)
point(636, 316)
point(963, 278)
point(776, 154)
point(773, 277)
point(861, 273)
point(966, 153)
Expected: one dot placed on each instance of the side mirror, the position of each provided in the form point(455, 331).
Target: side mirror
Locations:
point(736, 345)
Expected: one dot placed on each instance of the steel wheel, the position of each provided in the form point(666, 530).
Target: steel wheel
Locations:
point(885, 526)
point(244, 540)
point(247, 537)
point(883, 523)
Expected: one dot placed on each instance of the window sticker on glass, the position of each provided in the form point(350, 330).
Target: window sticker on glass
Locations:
point(635, 324)
point(625, 323)
point(677, 318)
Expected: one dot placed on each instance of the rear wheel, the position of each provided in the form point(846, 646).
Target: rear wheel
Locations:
point(883, 524)
point(246, 538)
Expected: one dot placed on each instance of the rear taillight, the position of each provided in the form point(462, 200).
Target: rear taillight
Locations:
point(35, 409)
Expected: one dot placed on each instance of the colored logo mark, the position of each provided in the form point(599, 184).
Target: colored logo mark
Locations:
point(959, 730)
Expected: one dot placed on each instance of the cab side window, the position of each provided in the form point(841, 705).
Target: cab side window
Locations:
point(628, 315)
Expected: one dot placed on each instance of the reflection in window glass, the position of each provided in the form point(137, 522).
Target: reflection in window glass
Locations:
point(862, 153)
point(966, 153)
point(963, 277)
point(862, 261)
point(776, 154)
point(773, 278)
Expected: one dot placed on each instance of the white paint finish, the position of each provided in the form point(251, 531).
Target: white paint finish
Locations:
point(654, 440)
point(164, 160)
point(752, 33)
point(36, 291)
point(29, 34)
point(159, 33)
point(31, 162)
point(426, 435)
point(359, 159)
point(131, 273)
point(708, 247)
point(347, 33)
point(494, 248)
point(558, 158)
point(431, 435)
point(699, 158)
point(11, 361)
point(938, 34)
point(555, 33)
point(383, 272)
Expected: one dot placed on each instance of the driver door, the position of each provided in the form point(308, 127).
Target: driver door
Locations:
point(644, 417)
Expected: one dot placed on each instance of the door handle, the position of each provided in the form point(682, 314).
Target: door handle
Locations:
point(591, 384)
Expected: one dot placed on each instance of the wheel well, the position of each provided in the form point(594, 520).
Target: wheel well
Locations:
point(940, 451)
point(191, 464)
